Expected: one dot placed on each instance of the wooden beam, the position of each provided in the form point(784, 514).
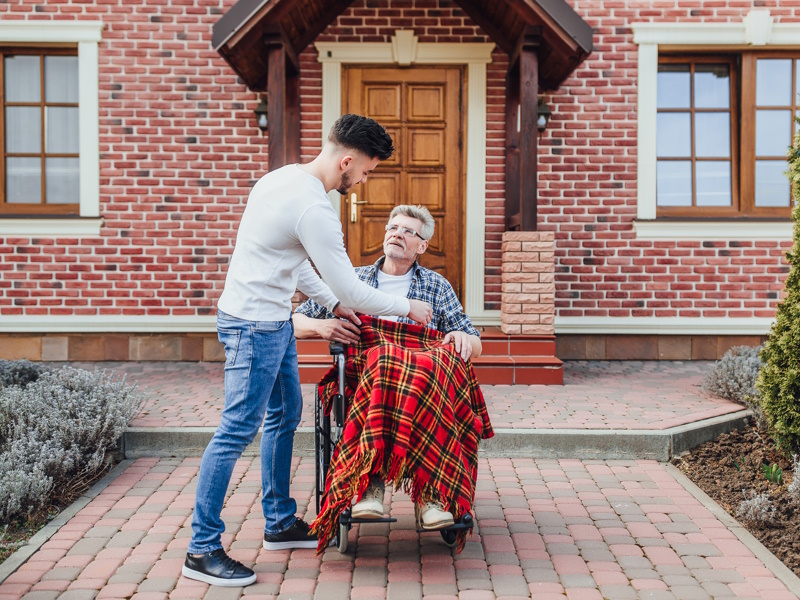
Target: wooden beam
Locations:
point(276, 118)
point(292, 111)
point(512, 150)
point(529, 133)
point(273, 34)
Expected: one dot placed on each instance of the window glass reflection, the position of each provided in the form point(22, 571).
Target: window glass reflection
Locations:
point(772, 185)
point(674, 183)
point(713, 183)
point(712, 135)
point(673, 86)
point(774, 81)
point(712, 86)
point(673, 135)
point(773, 132)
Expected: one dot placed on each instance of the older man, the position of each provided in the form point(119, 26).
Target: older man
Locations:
point(398, 273)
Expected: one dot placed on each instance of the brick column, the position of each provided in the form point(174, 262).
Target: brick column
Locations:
point(528, 305)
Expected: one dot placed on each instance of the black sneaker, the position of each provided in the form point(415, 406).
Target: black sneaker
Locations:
point(217, 568)
point(297, 536)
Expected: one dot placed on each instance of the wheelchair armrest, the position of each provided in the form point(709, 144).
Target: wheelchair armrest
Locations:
point(336, 348)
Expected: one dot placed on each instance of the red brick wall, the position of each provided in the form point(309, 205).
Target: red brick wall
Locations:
point(587, 190)
point(180, 150)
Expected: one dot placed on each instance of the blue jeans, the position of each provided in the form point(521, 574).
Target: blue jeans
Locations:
point(260, 377)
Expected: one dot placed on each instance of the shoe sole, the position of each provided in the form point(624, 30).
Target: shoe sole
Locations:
point(367, 514)
point(289, 545)
point(210, 579)
point(439, 525)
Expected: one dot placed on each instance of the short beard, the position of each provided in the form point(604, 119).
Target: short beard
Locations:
point(345, 184)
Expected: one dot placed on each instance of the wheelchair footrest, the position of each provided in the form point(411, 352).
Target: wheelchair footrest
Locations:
point(352, 520)
point(466, 522)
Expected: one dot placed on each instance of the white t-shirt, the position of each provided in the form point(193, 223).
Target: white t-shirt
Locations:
point(289, 218)
point(396, 285)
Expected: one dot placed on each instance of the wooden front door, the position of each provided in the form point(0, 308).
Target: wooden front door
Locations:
point(422, 110)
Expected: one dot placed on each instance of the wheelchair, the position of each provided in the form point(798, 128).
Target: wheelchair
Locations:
point(327, 431)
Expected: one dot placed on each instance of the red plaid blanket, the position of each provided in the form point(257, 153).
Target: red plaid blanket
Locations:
point(415, 416)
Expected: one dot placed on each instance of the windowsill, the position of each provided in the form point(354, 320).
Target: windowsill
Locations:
point(51, 227)
point(712, 230)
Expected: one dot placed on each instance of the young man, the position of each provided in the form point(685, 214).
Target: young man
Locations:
point(288, 218)
point(407, 234)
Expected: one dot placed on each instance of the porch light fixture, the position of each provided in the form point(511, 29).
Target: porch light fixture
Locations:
point(261, 114)
point(542, 115)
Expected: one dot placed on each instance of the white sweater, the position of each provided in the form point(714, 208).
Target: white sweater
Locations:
point(289, 218)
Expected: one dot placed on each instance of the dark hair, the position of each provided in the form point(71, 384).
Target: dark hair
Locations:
point(363, 134)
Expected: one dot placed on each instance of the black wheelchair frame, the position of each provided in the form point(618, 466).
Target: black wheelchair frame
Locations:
point(327, 433)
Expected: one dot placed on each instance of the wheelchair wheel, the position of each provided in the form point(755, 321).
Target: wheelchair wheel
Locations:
point(341, 538)
point(450, 538)
point(322, 450)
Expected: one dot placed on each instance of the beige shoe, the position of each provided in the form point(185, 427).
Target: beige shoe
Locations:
point(432, 515)
point(371, 504)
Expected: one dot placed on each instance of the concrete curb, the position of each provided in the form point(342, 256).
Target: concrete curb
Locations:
point(16, 560)
point(139, 442)
point(772, 562)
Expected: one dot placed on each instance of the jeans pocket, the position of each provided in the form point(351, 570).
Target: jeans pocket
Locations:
point(270, 326)
point(230, 339)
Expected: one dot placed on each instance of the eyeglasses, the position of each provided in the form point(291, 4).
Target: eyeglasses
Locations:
point(406, 231)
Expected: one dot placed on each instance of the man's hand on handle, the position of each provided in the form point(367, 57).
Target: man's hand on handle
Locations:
point(421, 312)
point(347, 313)
point(338, 330)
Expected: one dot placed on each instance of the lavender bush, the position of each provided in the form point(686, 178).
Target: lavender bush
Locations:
point(57, 429)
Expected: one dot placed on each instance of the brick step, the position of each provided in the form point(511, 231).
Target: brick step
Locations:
point(491, 370)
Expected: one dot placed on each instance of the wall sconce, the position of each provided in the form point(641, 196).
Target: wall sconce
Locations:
point(261, 114)
point(542, 115)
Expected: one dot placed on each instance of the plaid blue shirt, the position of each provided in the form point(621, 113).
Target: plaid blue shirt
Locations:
point(426, 285)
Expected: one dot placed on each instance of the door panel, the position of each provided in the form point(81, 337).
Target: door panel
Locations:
point(421, 108)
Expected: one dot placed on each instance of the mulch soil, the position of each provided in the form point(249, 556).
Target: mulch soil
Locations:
point(724, 467)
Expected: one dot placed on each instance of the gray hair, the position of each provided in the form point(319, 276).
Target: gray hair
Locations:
point(418, 212)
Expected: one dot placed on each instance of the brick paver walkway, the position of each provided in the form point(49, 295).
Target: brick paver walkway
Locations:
point(596, 395)
point(545, 529)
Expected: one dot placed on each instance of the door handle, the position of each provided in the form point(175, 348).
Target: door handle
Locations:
point(354, 207)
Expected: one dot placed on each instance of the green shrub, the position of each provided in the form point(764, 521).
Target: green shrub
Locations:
point(779, 381)
point(58, 431)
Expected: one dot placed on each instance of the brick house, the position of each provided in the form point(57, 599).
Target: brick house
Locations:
point(647, 218)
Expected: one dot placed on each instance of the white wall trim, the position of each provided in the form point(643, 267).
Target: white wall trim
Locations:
point(51, 227)
point(663, 325)
point(86, 35)
point(333, 55)
point(563, 325)
point(713, 230)
point(756, 29)
point(110, 323)
point(36, 32)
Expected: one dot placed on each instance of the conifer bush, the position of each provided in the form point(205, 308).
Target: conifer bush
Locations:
point(56, 431)
point(779, 380)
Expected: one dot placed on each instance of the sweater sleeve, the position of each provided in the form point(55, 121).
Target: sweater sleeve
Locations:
point(320, 232)
point(312, 286)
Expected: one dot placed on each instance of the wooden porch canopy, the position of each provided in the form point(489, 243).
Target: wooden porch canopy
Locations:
point(545, 40)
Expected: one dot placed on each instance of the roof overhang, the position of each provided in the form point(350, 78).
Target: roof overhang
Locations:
point(241, 33)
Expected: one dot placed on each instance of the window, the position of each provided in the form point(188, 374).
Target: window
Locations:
point(54, 180)
point(723, 125)
point(40, 167)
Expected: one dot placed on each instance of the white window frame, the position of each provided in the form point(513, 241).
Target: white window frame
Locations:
point(757, 29)
point(86, 35)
